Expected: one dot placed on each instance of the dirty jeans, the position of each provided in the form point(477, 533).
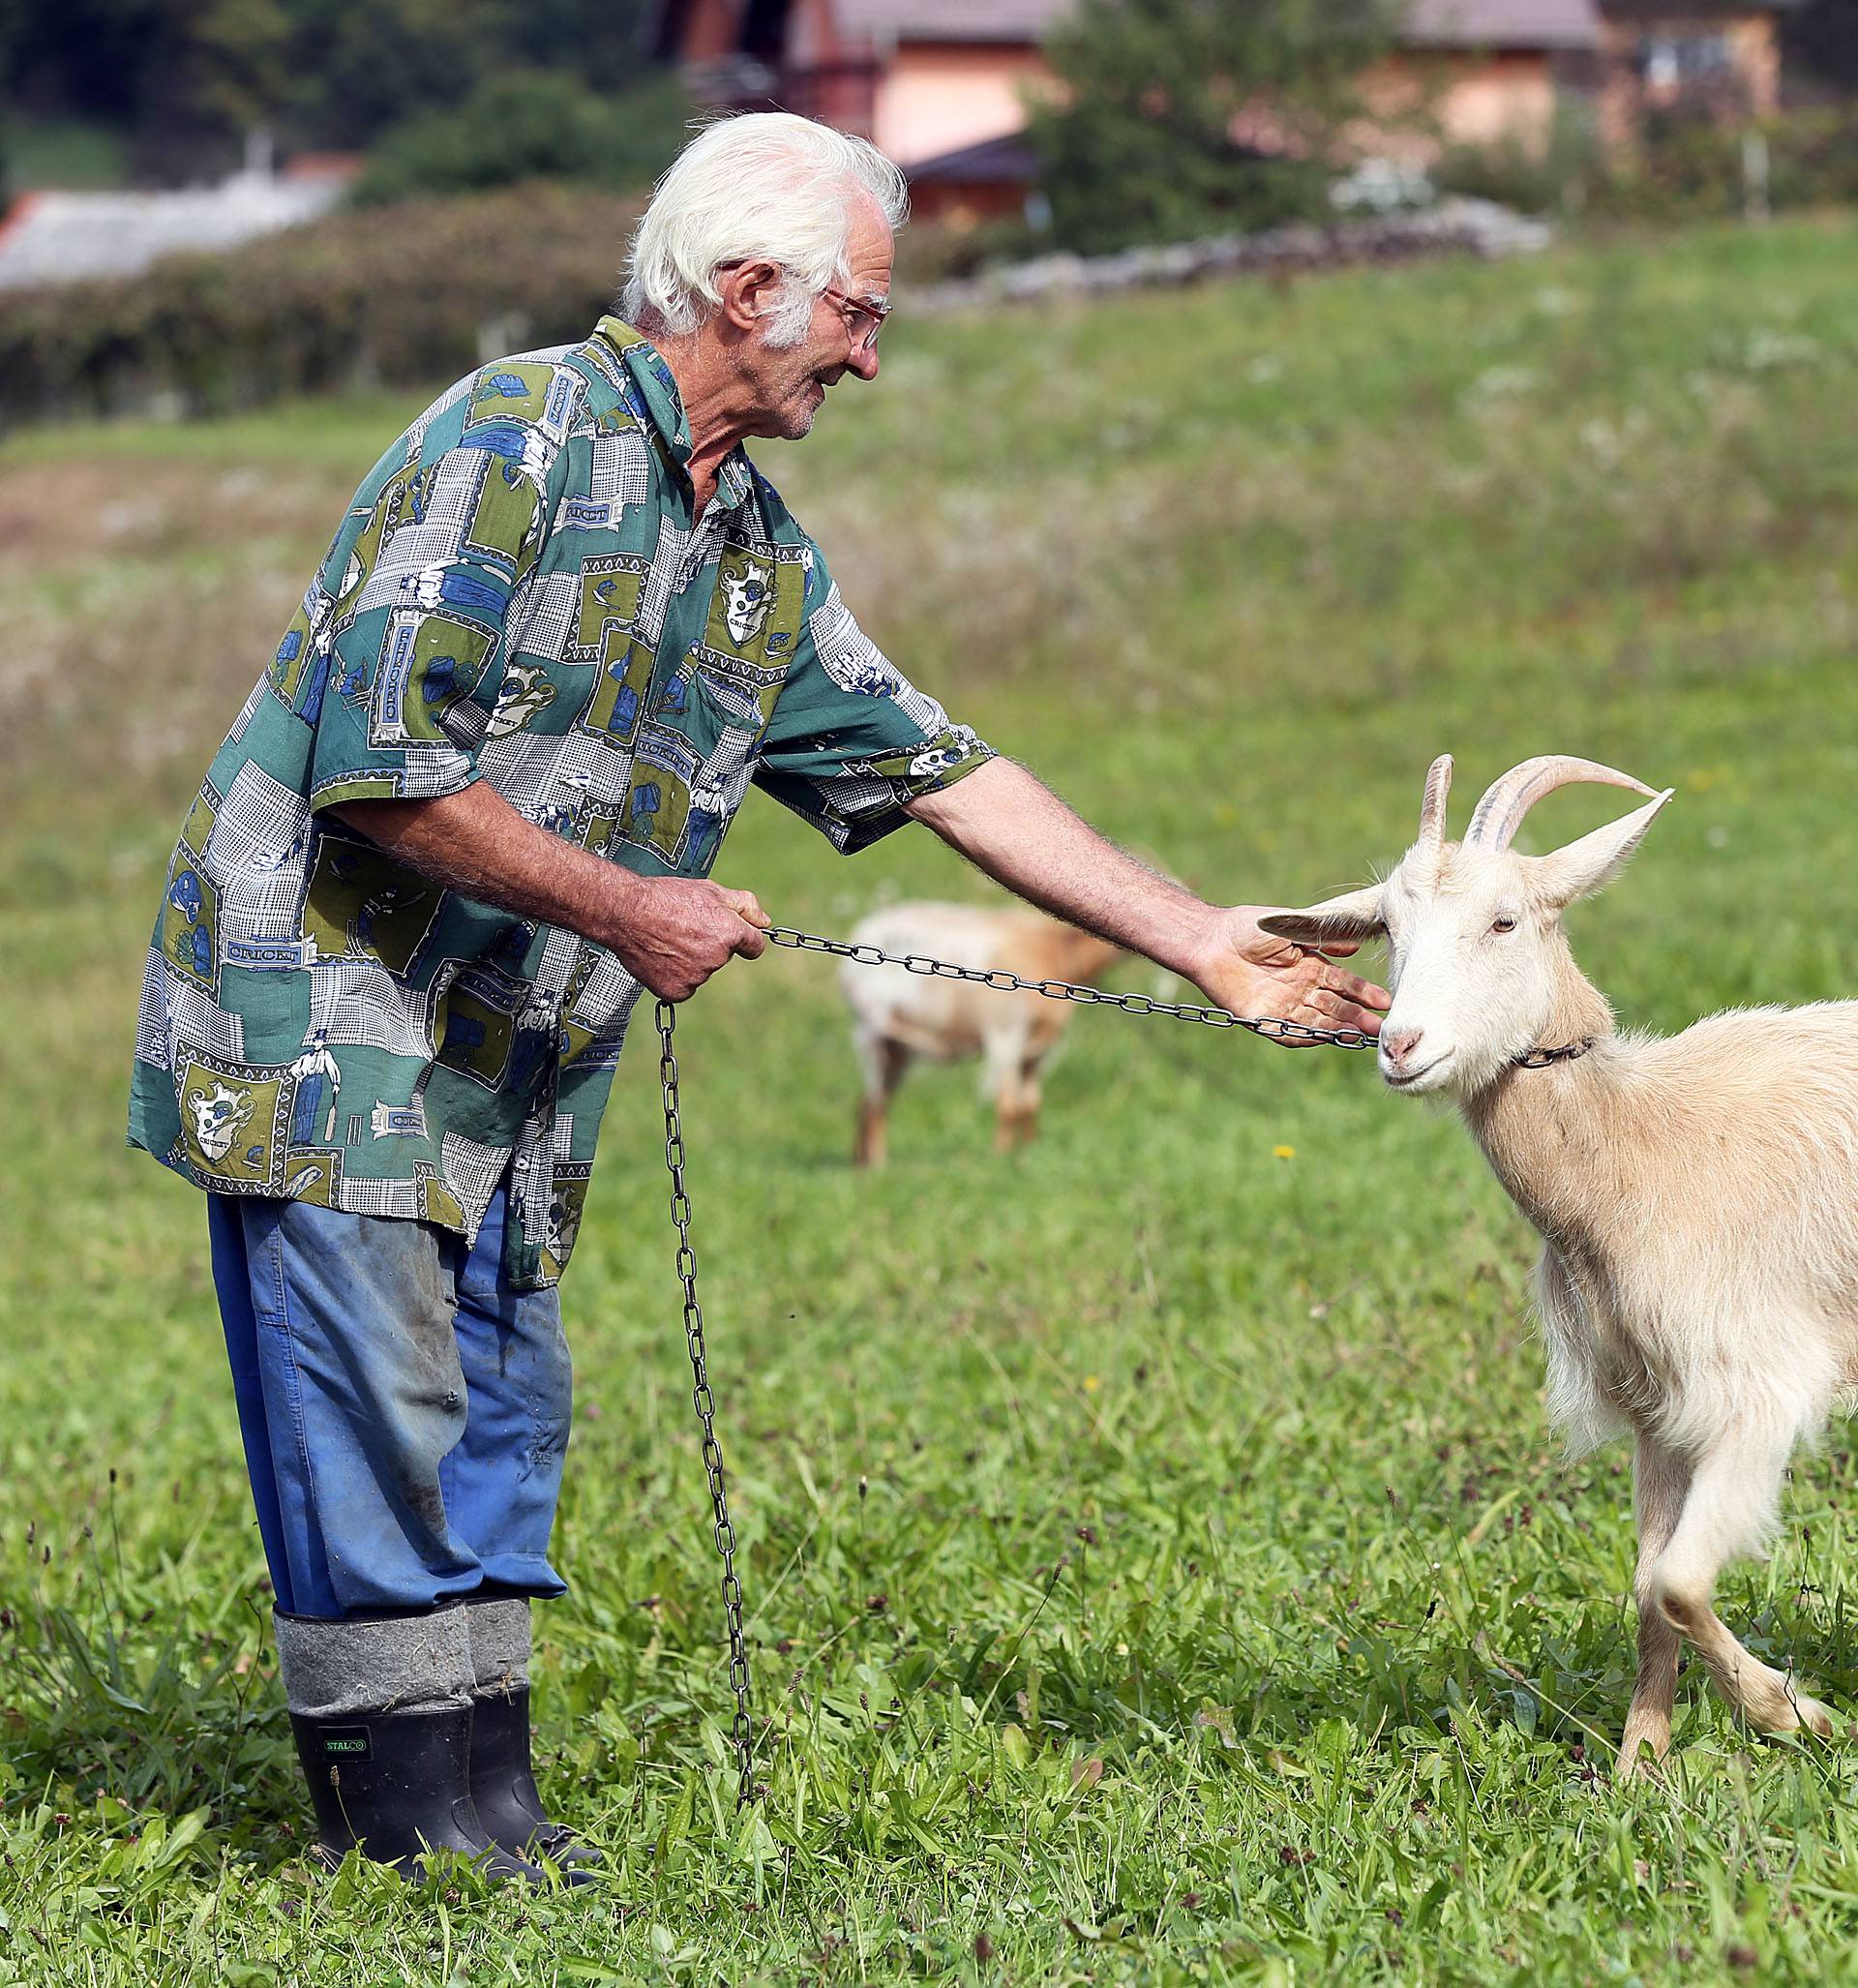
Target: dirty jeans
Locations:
point(405, 1411)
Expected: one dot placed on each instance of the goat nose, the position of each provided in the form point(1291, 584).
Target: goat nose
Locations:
point(1397, 1045)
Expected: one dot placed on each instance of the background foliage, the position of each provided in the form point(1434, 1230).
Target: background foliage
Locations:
point(532, 124)
point(1684, 168)
point(1160, 1566)
point(1139, 144)
point(420, 290)
point(183, 79)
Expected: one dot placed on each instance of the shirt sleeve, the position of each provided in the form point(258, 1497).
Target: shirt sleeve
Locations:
point(397, 657)
point(852, 740)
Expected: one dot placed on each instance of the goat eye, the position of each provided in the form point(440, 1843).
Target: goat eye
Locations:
point(1504, 923)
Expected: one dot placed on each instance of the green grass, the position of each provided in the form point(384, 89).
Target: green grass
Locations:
point(1160, 1566)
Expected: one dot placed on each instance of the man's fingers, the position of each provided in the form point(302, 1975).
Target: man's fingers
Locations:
point(1366, 1019)
point(751, 942)
point(748, 906)
point(1352, 987)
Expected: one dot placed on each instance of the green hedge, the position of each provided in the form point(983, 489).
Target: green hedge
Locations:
point(1683, 168)
point(405, 295)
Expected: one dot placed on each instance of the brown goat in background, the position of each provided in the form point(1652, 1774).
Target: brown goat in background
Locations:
point(898, 1016)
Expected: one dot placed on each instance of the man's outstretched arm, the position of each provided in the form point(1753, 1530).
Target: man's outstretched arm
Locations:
point(1008, 823)
point(669, 932)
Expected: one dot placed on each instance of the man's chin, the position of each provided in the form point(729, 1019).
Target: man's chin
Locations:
point(791, 419)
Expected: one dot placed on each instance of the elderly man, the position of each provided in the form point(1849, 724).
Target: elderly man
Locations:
point(464, 818)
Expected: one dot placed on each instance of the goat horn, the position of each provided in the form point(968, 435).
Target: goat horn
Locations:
point(1499, 814)
point(1438, 784)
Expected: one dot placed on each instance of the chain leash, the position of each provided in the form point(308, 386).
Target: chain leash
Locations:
point(742, 1732)
point(998, 979)
point(1272, 1027)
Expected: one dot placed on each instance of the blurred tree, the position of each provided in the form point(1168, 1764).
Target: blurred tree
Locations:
point(360, 71)
point(536, 124)
point(220, 67)
point(364, 72)
point(189, 77)
point(1177, 118)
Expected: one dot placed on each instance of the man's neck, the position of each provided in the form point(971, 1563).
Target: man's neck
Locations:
point(716, 408)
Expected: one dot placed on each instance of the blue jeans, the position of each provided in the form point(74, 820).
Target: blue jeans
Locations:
point(405, 1411)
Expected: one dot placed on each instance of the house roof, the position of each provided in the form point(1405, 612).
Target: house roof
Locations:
point(1503, 23)
point(1007, 161)
point(950, 21)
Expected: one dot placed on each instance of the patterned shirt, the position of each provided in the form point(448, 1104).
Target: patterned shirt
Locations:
point(520, 592)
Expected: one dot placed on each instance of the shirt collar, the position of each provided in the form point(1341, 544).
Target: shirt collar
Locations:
point(663, 407)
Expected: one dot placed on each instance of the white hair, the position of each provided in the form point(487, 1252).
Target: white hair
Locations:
point(765, 184)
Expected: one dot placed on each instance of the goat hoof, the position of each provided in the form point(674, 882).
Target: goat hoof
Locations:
point(1641, 1767)
point(1814, 1716)
point(1644, 1728)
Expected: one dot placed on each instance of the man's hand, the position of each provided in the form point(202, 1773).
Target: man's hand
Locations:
point(1019, 831)
point(671, 933)
point(679, 930)
point(1253, 974)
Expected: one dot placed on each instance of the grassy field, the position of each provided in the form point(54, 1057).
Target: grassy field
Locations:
point(1160, 1566)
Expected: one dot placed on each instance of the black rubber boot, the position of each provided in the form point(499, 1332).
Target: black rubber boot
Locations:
point(509, 1804)
point(396, 1784)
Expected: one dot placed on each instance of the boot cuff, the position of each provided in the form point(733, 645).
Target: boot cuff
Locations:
point(499, 1644)
point(335, 1669)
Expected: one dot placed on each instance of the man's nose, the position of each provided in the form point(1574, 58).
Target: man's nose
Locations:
point(864, 361)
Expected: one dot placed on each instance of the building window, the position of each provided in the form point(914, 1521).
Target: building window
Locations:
point(1673, 62)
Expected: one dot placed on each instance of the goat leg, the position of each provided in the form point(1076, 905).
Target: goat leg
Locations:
point(1661, 1482)
point(1733, 1492)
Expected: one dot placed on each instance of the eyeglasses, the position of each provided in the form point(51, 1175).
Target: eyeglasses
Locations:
point(863, 334)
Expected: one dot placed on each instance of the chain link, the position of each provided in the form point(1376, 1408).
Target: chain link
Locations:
point(1272, 1027)
point(742, 1732)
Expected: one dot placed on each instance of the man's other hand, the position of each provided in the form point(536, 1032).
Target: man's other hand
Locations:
point(677, 931)
point(1256, 975)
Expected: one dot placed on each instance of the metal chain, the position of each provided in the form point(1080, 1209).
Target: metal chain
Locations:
point(1274, 1027)
point(742, 1732)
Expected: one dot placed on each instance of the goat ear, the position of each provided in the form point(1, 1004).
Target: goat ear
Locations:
point(1580, 868)
point(1347, 919)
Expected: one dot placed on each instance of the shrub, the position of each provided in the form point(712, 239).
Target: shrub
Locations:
point(1682, 168)
point(534, 125)
point(401, 295)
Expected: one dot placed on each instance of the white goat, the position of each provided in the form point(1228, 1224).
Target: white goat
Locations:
point(1699, 1284)
point(897, 1015)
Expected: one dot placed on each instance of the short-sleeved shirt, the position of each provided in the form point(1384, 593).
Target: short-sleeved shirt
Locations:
point(520, 592)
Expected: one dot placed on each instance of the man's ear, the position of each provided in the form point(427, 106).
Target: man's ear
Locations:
point(1347, 919)
point(1581, 867)
point(750, 290)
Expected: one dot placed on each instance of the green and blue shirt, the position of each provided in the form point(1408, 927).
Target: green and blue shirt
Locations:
point(520, 592)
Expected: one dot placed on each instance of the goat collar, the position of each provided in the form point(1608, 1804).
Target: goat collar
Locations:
point(1541, 1058)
